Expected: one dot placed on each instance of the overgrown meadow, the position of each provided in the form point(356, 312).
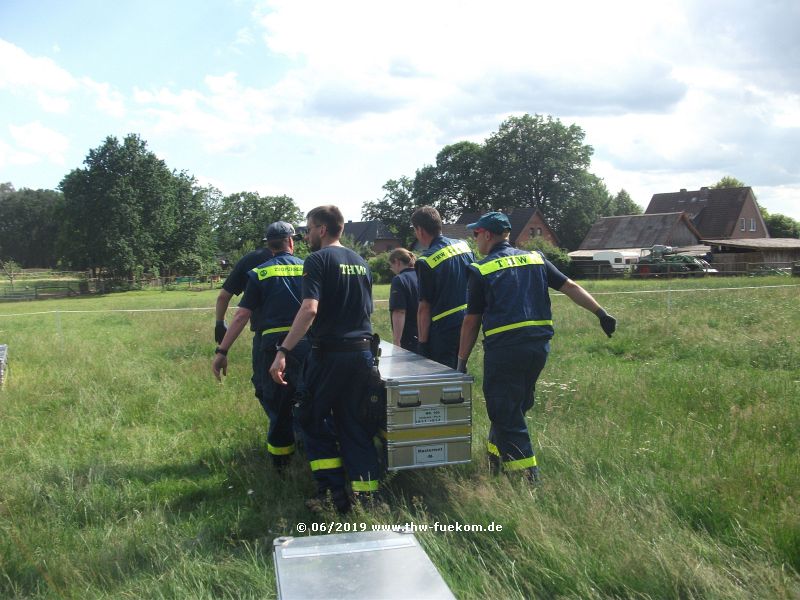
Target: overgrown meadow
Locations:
point(669, 455)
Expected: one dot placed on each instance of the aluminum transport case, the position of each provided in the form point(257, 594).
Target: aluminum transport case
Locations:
point(356, 566)
point(428, 411)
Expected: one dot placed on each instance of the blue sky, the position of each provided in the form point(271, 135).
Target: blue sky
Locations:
point(326, 101)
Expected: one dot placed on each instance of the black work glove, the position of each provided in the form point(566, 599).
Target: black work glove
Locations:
point(607, 322)
point(424, 349)
point(462, 366)
point(220, 329)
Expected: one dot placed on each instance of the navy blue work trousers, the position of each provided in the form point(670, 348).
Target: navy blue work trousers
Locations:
point(509, 382)
point(277, 400)
point(339, 436)
point(258, 367)
point(443, 345)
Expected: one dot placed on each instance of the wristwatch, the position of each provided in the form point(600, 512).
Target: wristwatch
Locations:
point(219, 350)
point(283, 349)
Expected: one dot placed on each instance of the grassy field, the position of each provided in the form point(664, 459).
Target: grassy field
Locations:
point(669, 455)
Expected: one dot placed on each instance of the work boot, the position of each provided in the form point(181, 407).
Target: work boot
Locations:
point(531, 475)
point(281, 462)
point(369, 500)
point(494, 464)
point(329, 500)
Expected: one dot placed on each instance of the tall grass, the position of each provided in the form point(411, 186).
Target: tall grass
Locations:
point(669, 456)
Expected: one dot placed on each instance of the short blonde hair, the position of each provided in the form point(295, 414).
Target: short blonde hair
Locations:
point(402, 255)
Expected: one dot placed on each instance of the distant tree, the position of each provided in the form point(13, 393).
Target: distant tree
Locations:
point(533, 162)
point(362, 249)
point(622, 204)
point(394, 209)
point(125, 212)
point(190, 247)
point(29, 225)
point(242, 218)
point(458, 183)
point(781, 226)
point(583, 202)
point(728, 181)
point(560, 258)
point(9, 269)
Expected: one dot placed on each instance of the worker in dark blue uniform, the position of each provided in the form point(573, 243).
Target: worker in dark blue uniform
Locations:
point(442, 272)
point(508, 295)
point(270, 302)
point(403, 299)
point(234, 285)
point(336, 307)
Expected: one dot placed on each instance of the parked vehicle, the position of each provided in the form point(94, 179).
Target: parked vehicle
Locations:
point(619, 260)
point(664, 261)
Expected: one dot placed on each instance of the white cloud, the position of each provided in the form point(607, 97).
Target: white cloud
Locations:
point(52, 104)
point(53, 87)
point(12, 157)
point(227, 118)
point(40, 141)
point(20, 70)
point(108, 100)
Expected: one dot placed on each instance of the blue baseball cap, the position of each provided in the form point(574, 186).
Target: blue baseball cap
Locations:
point(496, 222)
point(279, 229)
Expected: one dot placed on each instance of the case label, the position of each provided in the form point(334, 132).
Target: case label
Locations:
point(430, 415)
point(425, 455)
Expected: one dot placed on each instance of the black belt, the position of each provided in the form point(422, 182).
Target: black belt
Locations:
point(343, 345)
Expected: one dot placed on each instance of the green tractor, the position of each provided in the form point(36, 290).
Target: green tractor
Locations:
point(662, 261)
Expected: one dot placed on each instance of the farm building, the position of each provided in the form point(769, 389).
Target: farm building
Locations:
point(727, 213)
point(754, 254)
point(372, 233)
point(526, 223)
point(630, 233)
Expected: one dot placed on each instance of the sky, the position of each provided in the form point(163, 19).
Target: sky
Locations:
point(326, 101)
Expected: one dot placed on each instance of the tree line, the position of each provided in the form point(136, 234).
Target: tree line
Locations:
point(125, 213)
point(531, 161)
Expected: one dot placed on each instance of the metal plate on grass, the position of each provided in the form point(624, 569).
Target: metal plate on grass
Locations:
point(356, 566)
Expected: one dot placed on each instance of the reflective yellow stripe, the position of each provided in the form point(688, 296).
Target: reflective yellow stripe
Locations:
point(276, 330)
point(507, 262)
point(279, 271)
point(517, 465)
point(517, 326)
point(438, 257)
point(280, 450)
point(449, 312)
point(326, 463)
point(423, 433)
point(492, 449)
point(365, 486)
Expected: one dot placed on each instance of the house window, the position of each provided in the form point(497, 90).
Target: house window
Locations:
point(538, 231)
point(743, 224)
point(752, 224)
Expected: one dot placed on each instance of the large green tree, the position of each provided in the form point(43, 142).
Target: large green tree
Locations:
point(458, 183)
point(124, 212)
point(29, 225)
point(190, 247)
point(585, 200)
point(242, 218)
point(531, 161)
point(535, 162)
point(622, 204)
point(395, 208)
